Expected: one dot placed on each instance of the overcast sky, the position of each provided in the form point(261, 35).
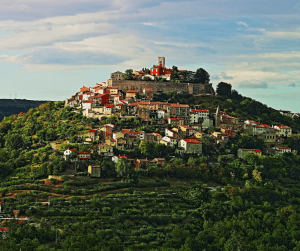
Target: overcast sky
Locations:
point(49, 49)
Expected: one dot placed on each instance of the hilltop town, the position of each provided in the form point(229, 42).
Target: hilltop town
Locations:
point(182, 127)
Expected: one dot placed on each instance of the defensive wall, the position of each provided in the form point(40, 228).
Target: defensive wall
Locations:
point(136, 85)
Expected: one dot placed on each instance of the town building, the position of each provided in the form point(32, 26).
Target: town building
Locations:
point(191, 146)
point(94, 171)
point(117, 76)
point(280, 150)
point(283, 130)
point(106, 149)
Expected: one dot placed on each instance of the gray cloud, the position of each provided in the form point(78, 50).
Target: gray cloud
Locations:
point(253, 84)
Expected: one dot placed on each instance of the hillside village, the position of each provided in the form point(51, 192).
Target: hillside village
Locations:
point(182, 127)
point(138, 168)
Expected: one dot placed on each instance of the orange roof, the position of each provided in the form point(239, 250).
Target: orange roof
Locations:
point(178, 105)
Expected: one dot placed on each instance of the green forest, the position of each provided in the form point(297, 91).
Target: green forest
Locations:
point(193, 202)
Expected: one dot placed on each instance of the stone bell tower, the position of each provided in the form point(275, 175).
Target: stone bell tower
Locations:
point(161, 61)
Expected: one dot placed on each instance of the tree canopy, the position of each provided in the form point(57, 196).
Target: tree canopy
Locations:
point(202, 76)
point(224, 89)
point(128, 74)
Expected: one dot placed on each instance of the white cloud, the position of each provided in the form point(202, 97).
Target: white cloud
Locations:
point(13, 59)
point(49, 34)
point(242, 23)
point(150, 24)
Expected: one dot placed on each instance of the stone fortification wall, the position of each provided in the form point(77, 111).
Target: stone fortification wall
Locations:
point(135, 85)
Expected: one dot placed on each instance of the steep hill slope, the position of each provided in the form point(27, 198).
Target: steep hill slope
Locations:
point(166, 207)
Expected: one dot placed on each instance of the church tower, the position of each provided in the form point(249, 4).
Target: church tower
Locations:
point(161, 61)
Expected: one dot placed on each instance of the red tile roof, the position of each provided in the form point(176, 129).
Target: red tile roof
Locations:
point(255, 150)
point(199, 110)
point(283, 127)
point(128, 131)
point(109, 106)
point(120, 156)
point(193, 141)
point(132, 92)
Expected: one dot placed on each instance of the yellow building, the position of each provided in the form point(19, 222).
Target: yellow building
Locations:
point(112, 90)
point(199, 135)
point(121, 144)
point(105, 149)
point(131, 94)
point(176, 121)
point(92, 133)
point(117, 135)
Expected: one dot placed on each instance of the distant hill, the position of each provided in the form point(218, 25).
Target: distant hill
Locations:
point(15, 106)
